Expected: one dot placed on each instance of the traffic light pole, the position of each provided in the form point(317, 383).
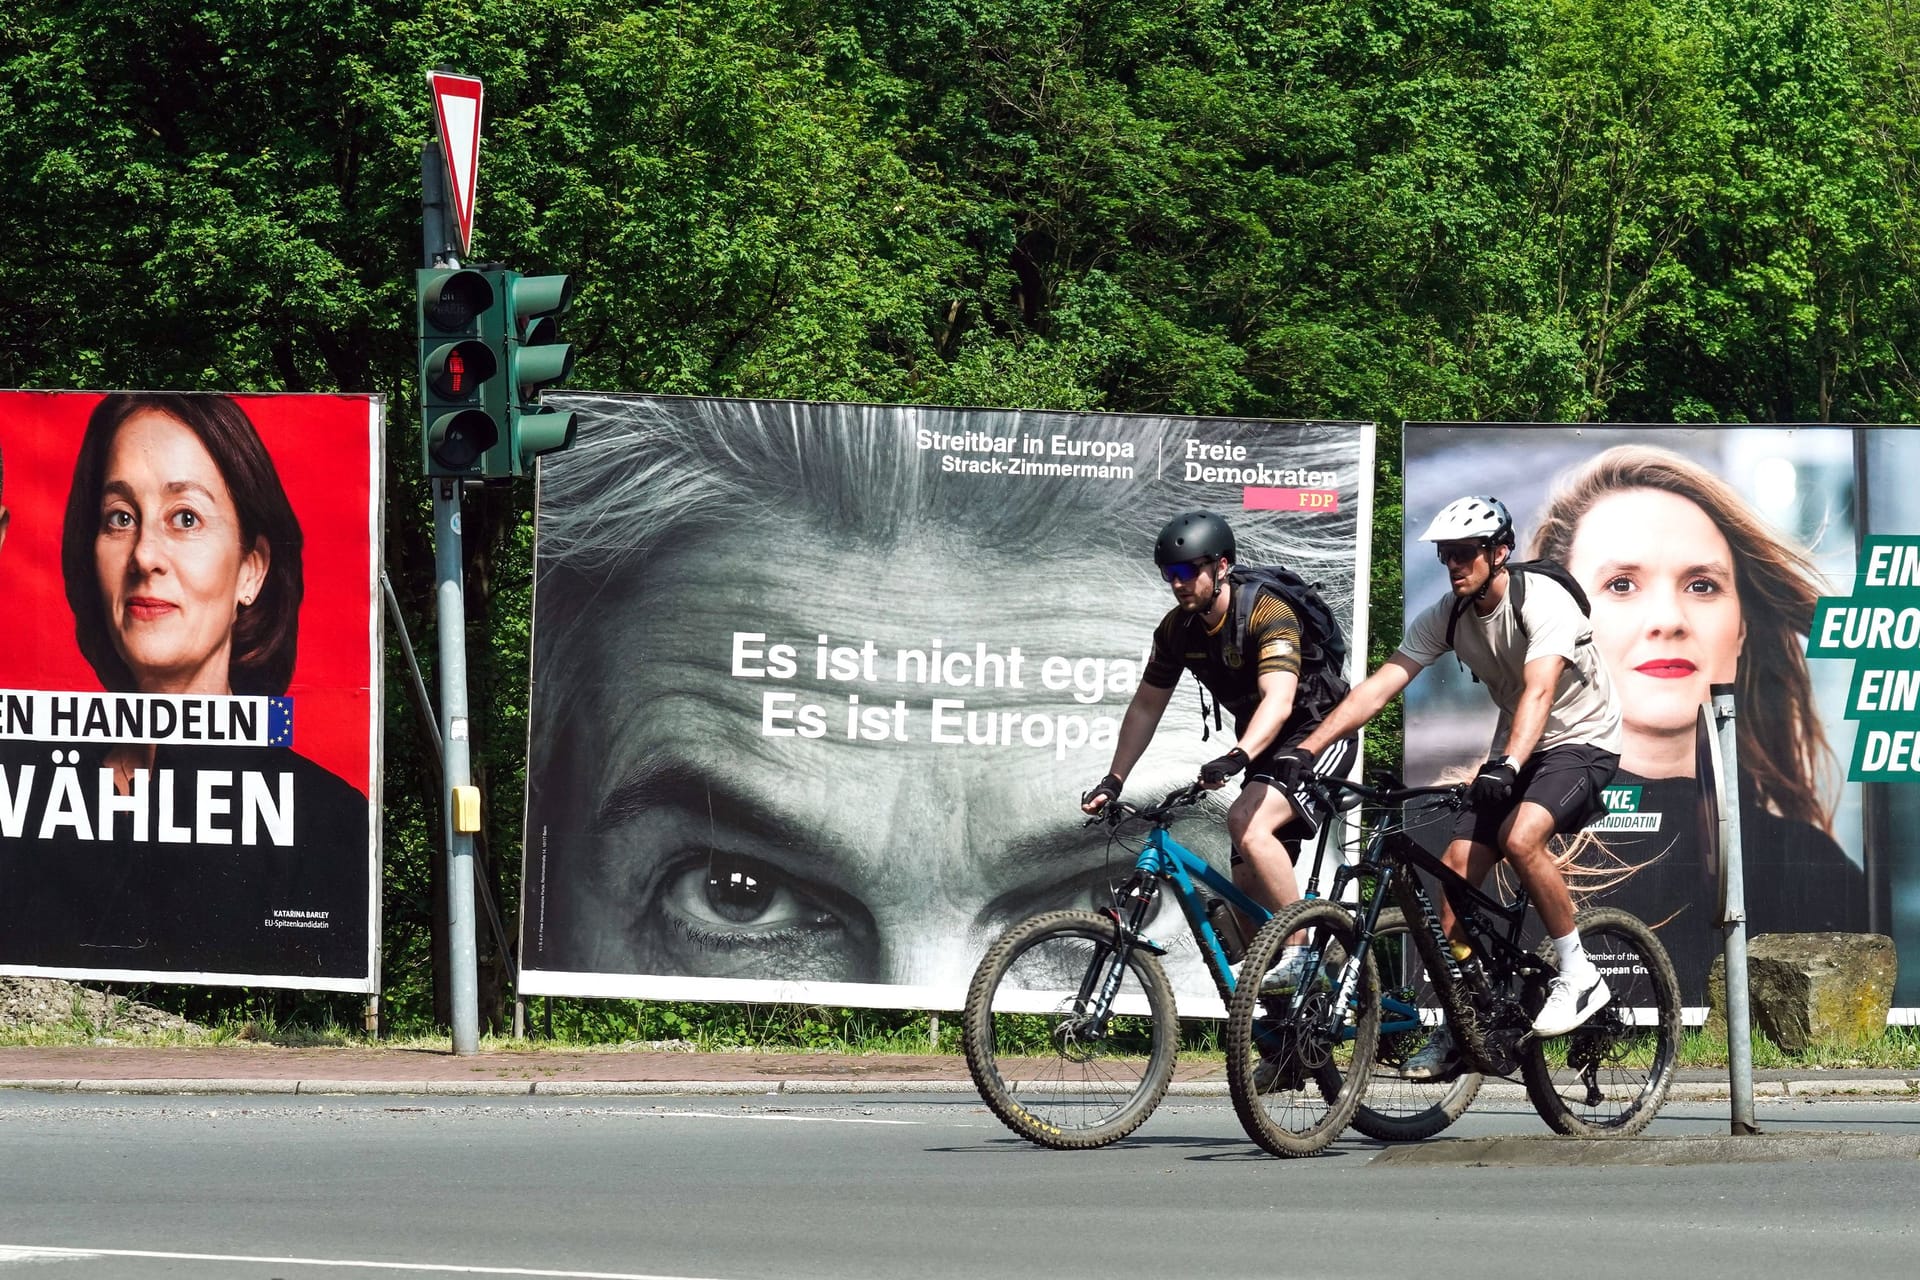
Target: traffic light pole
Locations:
point(451, 606)
point(450, 598)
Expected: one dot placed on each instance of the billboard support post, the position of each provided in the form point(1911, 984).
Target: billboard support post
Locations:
point(1733, 915)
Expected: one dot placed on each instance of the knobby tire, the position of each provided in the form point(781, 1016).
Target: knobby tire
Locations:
point(1050, 1076)
point(1632, 1044)
point(1294, 1090)
point(1394, 1108)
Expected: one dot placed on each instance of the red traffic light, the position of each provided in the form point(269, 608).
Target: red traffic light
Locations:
point(457, 370)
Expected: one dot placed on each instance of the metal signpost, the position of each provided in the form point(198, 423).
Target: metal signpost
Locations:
point(1717, 769)
point(489, 342)
point(457, 103)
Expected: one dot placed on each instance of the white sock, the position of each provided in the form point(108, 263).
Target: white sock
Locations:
point(1574, 961)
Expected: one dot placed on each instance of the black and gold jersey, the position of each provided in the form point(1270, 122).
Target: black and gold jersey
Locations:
point(1229, 669)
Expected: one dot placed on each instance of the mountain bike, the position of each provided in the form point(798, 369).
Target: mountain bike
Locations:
point(1607, 1077)
point(1070, 1027)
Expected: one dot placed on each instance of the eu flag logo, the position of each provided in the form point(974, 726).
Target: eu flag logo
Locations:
point(279, 722)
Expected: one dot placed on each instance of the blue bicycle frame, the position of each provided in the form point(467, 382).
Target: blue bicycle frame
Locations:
point(1164, 858)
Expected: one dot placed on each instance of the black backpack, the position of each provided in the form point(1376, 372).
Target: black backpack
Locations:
point(1323, 645)
point(1517, 572)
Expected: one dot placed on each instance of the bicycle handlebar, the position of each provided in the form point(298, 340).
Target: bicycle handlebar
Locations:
point(1116, 811)
point(1451, 795)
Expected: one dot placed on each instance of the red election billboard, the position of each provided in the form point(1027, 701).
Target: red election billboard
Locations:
point(188, 710)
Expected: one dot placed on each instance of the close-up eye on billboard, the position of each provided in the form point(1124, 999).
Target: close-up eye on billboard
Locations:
point(1749, 557)
point(189, 706)
point(817, 687)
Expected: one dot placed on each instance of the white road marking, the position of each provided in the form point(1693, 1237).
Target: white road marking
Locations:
point(49, 1253)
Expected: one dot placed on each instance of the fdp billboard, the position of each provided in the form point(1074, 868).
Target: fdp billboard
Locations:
point(189, 711)
point(817, 687)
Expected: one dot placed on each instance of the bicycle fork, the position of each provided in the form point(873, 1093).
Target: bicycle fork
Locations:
point(1102, 981)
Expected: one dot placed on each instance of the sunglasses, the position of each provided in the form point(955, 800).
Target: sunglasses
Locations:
point(1186, 571)
point(1456, 552)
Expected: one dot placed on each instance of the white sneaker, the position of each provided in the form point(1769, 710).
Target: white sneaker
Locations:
point(1438, 1057)
point(1570, 1002)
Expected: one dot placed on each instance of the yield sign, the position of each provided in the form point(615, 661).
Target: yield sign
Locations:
point(456, 104)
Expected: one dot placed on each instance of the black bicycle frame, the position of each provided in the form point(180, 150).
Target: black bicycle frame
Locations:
point(1391, 858)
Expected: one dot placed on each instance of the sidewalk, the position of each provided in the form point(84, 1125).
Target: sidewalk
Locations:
point(540, 1072)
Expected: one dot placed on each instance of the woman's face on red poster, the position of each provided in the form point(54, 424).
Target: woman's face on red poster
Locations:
point(1666, 613)
point(323, 449)
point(173, 566)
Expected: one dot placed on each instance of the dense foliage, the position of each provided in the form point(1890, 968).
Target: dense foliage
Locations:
point(1498, 209)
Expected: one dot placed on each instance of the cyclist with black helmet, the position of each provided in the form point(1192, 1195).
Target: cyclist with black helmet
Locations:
point(1254, 662)
point(1556, 744)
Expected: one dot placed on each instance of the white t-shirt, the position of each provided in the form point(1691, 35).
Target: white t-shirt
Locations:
point(1497, 649)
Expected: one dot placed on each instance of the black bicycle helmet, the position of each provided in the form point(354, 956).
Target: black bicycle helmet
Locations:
point(1194, 535)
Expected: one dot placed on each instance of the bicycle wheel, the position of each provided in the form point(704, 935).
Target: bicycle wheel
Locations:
point(1295, 1070)
point(1608, 1077)
point(1394, 1108)
point(1058, 1066)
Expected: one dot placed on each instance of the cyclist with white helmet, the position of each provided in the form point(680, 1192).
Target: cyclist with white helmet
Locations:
point(1556, 744)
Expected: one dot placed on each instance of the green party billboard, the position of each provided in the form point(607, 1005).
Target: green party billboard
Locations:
point(1781, 560)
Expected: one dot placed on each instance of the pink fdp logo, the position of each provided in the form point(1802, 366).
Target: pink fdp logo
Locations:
point(1254, 498)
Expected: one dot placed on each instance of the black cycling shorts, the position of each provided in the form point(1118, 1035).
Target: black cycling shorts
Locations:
point(1336, 758)
point(1566, 781)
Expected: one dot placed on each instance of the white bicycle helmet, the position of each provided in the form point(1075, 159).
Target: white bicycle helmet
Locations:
point(1463, 519)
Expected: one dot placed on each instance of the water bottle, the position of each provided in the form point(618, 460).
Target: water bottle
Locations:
point(1471, 970)
point(1227, 926)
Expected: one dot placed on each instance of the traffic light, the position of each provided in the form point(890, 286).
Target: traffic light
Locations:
point(460, 322)
point(535, 358)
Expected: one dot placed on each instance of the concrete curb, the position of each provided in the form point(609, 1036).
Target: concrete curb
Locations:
point(1841, 1088)
point(1542, 1150)
point(652, 1088)
point(1503, 1090)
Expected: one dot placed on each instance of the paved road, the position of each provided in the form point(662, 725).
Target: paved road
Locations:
point(886, 1186)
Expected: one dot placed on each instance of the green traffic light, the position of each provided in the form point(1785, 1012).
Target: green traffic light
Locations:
point(489, 343)
point(535, 367)
point(536, 358)
point(538, 433)
point(537, 302)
